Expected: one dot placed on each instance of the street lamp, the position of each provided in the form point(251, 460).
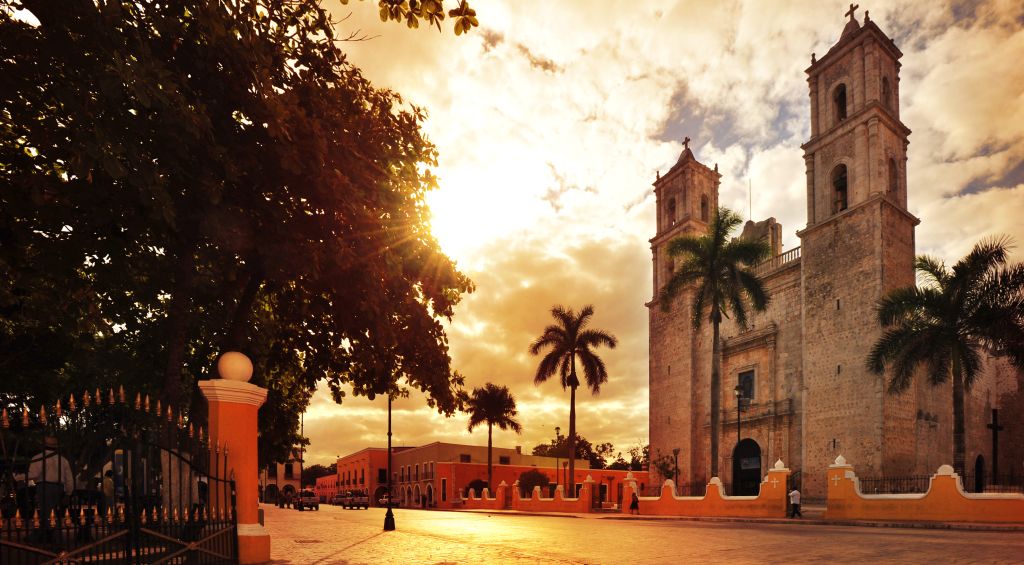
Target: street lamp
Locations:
point(389, 517)
point(558, 432)
point(736, 465)
point(565, 480)
point(675, 453)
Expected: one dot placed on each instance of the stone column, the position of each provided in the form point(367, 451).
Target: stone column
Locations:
point(233, 406)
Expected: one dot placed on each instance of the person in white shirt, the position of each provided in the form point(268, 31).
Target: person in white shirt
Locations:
point(52, 476)
point(794, 503)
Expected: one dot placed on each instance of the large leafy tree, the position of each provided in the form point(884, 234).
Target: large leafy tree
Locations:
point(717, 271)
point(177, 179)
point(492, 405)
point(948, 322)
point(567, 341)
point(596, 455)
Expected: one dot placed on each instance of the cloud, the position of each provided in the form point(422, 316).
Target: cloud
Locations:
point(553, 118)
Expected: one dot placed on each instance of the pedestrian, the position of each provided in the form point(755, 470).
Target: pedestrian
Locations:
point(634, 504)
point(107, 487)
point(794, 503)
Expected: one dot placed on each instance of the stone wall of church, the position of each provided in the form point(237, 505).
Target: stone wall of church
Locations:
point(672, 408)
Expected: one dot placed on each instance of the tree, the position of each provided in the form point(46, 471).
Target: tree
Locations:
point(313, 472)
point(567, 340)
point(716, 270)
point(530, 479)
point(431, 11)
point(947, 322)
point(559, 447)
point(183, 178)
point(492, 405)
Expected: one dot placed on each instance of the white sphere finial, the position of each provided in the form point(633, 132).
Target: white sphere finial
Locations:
point(234, 366)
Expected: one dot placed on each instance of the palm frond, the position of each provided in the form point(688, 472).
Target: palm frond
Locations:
point(932, 270)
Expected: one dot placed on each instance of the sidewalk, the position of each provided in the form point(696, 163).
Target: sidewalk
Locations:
point(812, 517)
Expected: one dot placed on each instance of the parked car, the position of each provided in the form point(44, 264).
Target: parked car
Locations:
point(307, 499)
point(355, 499)
point(337, 498)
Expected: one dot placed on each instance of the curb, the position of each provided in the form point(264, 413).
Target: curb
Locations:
point(961, 526)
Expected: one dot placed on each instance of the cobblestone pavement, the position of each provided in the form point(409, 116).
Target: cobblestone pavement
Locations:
point(333, 535)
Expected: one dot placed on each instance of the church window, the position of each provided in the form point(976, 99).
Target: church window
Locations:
point(839, 187)
point(894, 176)
point(839, 99)
point(746, 384)
point(704, 207)
point(886, 93)
point(671, 211)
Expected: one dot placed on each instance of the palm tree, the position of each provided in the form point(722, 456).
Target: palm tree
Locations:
point(494, 406)
point(568, 340)
point(943, 325)
point(718, 269)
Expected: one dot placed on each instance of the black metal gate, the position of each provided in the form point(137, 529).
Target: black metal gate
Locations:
point(109, 481)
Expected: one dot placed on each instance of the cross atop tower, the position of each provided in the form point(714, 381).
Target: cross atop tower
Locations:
point(853, 8)
point(686, 142)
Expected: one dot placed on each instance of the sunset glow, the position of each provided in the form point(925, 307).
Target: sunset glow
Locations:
point(553, 118)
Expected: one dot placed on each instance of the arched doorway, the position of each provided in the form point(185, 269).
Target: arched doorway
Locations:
point(979, 474)
point(270, 494)
point(430, 495)
point(379, 494)
point(746, 468)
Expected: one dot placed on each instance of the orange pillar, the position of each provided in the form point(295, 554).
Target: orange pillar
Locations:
point(234, 403)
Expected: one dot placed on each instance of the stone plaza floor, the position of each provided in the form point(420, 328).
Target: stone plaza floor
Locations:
point(333, 535)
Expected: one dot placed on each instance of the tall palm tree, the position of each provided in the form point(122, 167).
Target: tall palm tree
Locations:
point(492, 405)
point(944, 323)
point(569, 339)
point(718, 269)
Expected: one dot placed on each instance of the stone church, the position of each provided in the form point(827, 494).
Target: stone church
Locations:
point(798, 369)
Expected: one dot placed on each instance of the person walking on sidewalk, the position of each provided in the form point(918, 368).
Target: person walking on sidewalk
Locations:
point(635, 504)
point(794, 503)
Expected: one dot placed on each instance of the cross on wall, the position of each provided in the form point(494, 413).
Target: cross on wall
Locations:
point(835, 480)
point(774, 482)
point(853, 8)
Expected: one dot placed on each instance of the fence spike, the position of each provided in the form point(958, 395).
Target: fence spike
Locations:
point(36, 519)
point(4, 421)
point(71, 403)
point(144, 518)
point(175, 515)
point(42, 415)
point(18, 521)
point(85, 400)
point(167, 514)
point(145, 404)
point(24, 417)
point(52, 520)
point(98, 397)
point(59, 411)
point(120, 514)
point(110, 398)
point(110, 514)
point(170, 414)
point(67, 519)
point(159, 409)
point(138, 400)
point(120, 393)
point(191, 431)
point(181, 421)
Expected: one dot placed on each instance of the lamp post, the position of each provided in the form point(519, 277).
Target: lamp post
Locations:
point(675, 453)
point(565, 479)
point(558, 431)
point(736, 454)
point(389, 517)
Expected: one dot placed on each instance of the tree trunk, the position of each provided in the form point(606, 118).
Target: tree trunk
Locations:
point(716, 390)
point(571, 479)
point(178, 315)
point(235, 337)
point(959, 449)
point(490, 485)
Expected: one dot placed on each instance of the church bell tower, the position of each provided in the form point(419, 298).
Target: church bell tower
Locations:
point(857, 246)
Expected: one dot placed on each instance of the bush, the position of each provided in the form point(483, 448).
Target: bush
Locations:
point(477, 485)
point(530, 479)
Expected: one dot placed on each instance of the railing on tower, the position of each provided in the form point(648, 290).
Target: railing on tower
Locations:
point(777, 261)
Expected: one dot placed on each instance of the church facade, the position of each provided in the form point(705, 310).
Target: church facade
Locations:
point(795, 383)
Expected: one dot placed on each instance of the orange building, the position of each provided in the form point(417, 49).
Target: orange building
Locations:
point(326, 487)
point(437, 474)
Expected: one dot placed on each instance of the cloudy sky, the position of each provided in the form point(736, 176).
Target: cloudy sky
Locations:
point(553, 117)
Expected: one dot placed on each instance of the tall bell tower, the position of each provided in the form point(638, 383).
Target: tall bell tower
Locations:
point(857, 246)
point(686, 198)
